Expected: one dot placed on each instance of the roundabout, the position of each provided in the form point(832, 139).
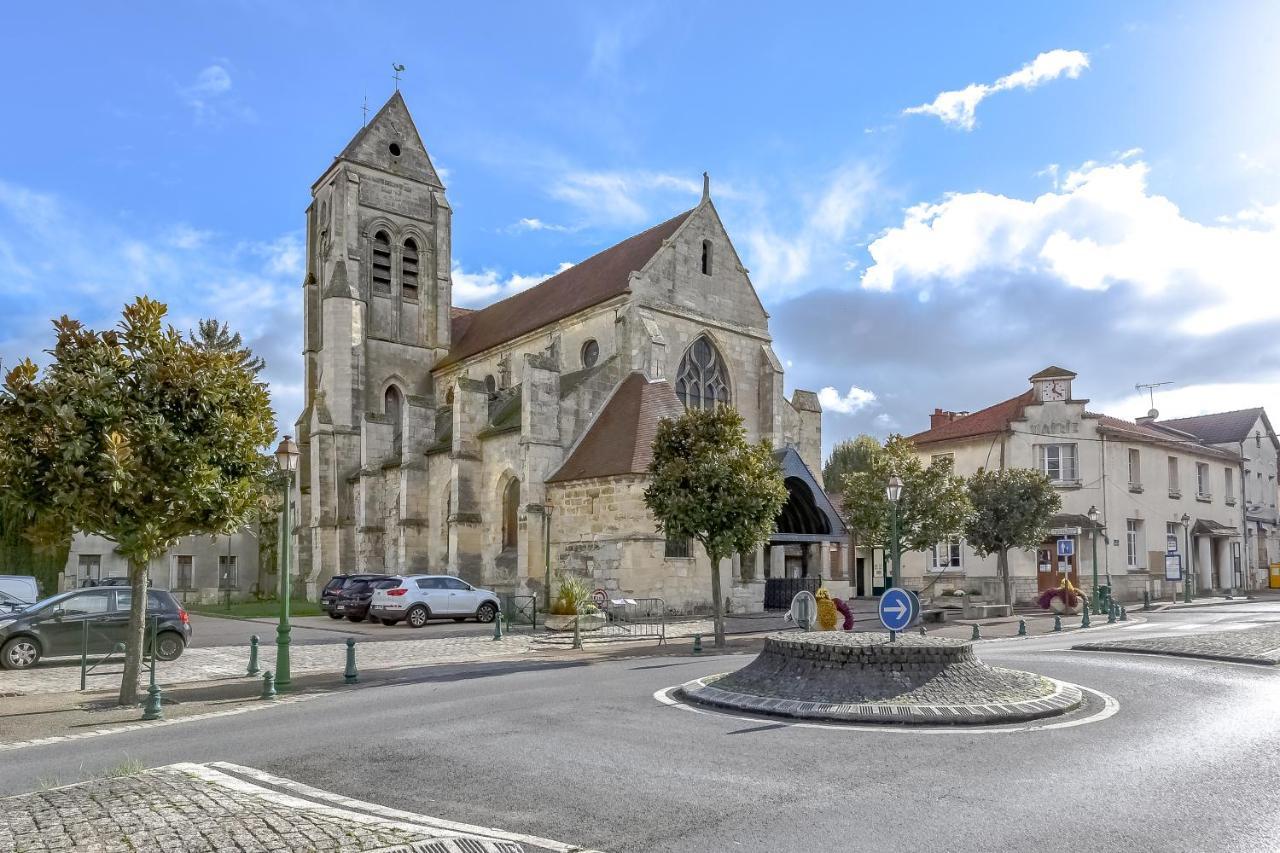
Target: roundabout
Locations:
point(835, 677)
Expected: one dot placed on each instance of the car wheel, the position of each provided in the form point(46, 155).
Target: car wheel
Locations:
point(19, 653)
point(486, 612)
point(354, 617)
point(387, 622)
point(417, 615)
point(169, 646)
point(333, 615)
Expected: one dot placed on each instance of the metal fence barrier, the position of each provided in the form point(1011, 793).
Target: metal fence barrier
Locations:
point(628, 617)
point(778, 592)
point(520, 612)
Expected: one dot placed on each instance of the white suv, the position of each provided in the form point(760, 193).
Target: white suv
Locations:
point(418, 598)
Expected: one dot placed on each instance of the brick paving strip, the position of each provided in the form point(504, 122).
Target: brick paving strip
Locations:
point(189, 808)
point(1256, 646)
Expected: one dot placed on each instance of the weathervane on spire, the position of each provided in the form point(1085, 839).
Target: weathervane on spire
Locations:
point(397, 68)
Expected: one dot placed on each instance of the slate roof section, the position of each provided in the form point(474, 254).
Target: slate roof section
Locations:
point(992, 419)
point(1053, 372)
point(1221, 427)
point(597, 279)
point(1154, 432)
point(620, 439)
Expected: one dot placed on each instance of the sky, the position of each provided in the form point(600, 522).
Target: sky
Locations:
point(934, 200)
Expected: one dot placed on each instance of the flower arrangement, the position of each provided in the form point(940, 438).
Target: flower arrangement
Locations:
point(826, 610)
point(843, 607)
point(573, 597)
point(1065, 598)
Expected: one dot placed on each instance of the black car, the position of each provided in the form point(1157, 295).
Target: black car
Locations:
point(336, 584)
point(89, 620)
point(353, 600)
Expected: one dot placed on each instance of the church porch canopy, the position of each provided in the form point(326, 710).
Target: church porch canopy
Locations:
point(808, 515)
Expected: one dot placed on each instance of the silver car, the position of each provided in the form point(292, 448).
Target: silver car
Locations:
point(417, 598)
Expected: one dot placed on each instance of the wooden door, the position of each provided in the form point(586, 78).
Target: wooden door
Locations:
point(1051, 568)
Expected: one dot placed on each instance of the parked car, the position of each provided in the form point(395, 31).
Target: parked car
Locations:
point(417, 598)
point(92, 582)
point(353, 599)
point(10, 604)
point(337, 583)
point(21, 588)
point(60, 625)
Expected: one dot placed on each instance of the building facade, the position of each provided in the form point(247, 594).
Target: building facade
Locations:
point(1156, 492)
point(196, 569)
point(510, 443)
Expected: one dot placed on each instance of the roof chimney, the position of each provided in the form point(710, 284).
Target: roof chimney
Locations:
point(942, 418)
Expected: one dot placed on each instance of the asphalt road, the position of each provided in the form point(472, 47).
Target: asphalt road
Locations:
point(584, 754)
point(210, 631)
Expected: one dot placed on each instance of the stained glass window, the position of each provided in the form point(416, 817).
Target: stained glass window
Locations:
point(702, 382)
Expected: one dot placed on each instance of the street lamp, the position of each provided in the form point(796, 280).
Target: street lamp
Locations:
point(1186, 578)
point(287, 462)
point(893, 491)
point(1097, 591)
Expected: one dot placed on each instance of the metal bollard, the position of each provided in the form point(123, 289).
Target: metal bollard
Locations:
point(497, 625)
point(1057, 623)
point(1111, 615)
point(923, 632)
point(1084, 619)
point(268, 686)
point(697, 644)
point(977, 633)
point(1022, 627)
point(577, 634)
point(253, 656)
point(153, 709)
point(1124, 614)
point(351, 675)
point(1146, 600)
point(893, 636)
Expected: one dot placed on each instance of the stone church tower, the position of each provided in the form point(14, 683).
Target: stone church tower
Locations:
point(509, 444)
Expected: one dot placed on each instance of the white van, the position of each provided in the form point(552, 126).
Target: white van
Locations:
point(17, 591)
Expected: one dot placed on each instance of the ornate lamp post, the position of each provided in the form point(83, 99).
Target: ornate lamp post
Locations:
point(1097, 592)
point(1186, 578)
point(893, 491)
point(287, 462)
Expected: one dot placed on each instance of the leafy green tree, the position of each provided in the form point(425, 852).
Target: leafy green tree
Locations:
point(934, 502)
point(1011, 509)
point(850, 456)
point(136, 434)
point(708, 483)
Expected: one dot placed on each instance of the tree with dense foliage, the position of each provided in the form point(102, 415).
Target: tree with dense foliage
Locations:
point(1012, 508)
point(707, 482)
point(851, 456)
point(138, 434)
point(934, 503)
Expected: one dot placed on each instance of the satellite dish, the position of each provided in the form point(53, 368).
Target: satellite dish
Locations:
point(804, 610)
point(1153, 413)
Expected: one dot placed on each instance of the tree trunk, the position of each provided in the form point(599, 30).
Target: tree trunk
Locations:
point(1002, 564)
point(716, 600)
point(135, 636)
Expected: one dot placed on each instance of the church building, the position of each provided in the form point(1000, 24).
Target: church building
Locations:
point(509, 444)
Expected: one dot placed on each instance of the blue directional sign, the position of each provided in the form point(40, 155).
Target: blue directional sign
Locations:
point(898, 609)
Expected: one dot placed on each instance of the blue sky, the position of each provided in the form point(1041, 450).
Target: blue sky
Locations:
point(1100, 190)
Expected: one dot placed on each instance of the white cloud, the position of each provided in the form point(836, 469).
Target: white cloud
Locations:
point(1101, 229)
point(958, 108)
point(1190, 400)
point(622, 198)
point(475, 290)
point(209, 97)
point(184, 236)
point(855, 400)
point(534, 224)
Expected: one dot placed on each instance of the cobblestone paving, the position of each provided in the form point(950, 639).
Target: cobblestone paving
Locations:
point(172, 811)
point(1257, 645)
point(226, 661)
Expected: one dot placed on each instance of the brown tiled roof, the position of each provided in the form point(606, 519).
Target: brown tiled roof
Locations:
point(1220, 427)
point(620, 441)
point(986, 421)
point(597, 279)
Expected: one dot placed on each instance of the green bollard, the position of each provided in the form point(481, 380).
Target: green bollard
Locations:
point(153, 709)
point(577, 634)
point(1111, 615)
point(351, 675)
point(253, 656)
point(497, 626)
point(1057, 623)
point(1084, 619)
point(268, 686)
point(1146, 600)
point(1124, 614)
point(977, 633)
point(1022, 627)
point(697, 644)
point(893, 636)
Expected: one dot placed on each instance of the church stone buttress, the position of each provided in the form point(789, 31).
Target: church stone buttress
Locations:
point(377, 318)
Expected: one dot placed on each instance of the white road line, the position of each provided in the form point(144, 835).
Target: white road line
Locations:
point(1110, 706)
point(380, 811)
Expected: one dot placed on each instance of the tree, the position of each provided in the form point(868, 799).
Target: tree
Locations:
point(136, 434)
point(933, 506)
point(1011, 509)
point(708, 483)
point(850, 456)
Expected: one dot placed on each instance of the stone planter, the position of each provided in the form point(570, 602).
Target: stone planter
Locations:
point(586, 622)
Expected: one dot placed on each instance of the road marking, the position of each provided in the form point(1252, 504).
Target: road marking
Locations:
point(385, 812)
point(1110, 706)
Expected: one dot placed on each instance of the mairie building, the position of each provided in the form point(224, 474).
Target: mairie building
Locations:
point(509, 444)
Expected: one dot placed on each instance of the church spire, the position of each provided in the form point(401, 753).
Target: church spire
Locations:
point(390, 141)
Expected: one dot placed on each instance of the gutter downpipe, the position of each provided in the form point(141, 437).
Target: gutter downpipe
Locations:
point(1106, 545)
point(1245, 559)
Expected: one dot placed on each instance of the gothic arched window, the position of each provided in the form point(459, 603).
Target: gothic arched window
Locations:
point(380, 264)
point(409, 270)
point(510, 514)
point(391, 407)
point(702, 381)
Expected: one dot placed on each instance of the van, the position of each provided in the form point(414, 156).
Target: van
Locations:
point(21, 587)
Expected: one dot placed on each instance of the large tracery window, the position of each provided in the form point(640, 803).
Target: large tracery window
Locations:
point(702, 382)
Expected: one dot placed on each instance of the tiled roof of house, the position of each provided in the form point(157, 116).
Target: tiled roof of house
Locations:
point(620, 440)
point(992, 419)
point(1220, 427)
point(599, 278)
point(1155, 432)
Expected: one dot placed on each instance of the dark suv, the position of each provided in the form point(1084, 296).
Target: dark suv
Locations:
point(92, 620)
point(336, 584)
point(353, 600)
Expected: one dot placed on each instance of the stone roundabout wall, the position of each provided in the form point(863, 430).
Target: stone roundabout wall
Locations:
point(866, 678)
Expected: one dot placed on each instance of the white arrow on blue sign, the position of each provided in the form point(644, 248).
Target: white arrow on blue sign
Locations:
point(898, 609)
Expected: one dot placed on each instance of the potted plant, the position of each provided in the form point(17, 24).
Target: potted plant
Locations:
point(1065, 598)
point(573, 603)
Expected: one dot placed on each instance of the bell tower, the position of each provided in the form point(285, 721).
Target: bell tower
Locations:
point(376, 318)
